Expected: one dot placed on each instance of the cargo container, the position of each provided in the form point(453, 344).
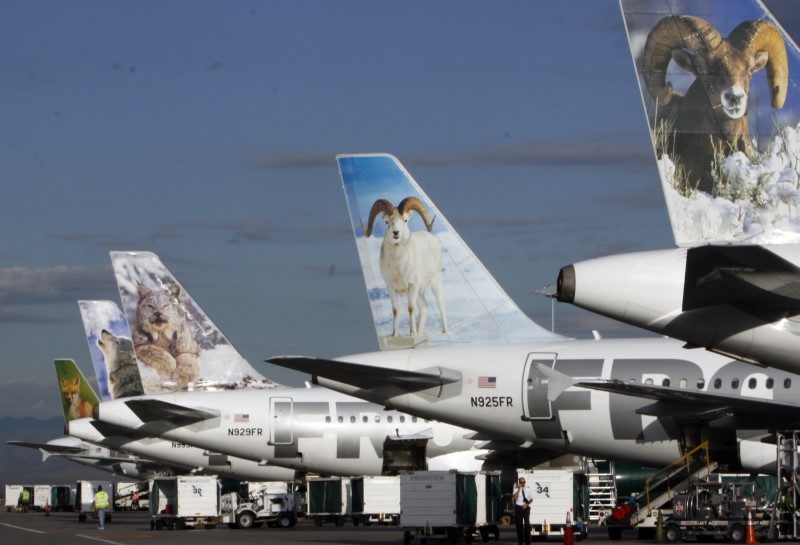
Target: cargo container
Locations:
point(181, 502)
point(375, 499)
point(328, 500)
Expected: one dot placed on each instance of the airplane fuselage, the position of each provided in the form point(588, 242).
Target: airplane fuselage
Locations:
point(307, 429)
point(503, 393)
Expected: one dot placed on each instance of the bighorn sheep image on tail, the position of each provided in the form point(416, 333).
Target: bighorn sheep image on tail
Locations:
point(712, 116)
point(410, 262)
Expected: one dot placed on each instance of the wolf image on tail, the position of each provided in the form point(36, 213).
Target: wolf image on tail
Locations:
point(71, 392)
point(123, 372)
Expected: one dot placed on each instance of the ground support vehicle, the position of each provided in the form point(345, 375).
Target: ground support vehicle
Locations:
point(185, 501)
point(274, 505)
point(449, 505)
point(557, 494)
point(375, 500)
point(712, 510)
point(84, 498)
point(132, 496)
point(641, 511)
point(328, 499)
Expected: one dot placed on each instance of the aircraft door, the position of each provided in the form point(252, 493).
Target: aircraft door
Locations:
point(281, 413)
point(535, 405)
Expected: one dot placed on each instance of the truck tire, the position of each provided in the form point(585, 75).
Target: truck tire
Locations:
point(672, 533)
point(318, 521)
point(614, 533)
point(340, 521)
point(284, 521)
point(407, 537)
point(737, 533)
point(245, 520)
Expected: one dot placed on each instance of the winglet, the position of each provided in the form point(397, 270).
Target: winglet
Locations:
point(727, 142)
point(78, 398)
point(453, 299)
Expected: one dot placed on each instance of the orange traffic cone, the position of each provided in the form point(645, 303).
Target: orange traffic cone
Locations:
point(750, 535)
point(569, 538)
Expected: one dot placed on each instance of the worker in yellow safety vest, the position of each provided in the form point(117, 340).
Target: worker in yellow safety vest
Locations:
point(100, 504)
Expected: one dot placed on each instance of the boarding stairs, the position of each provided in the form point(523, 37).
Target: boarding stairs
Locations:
point(674, 479)
point(602, 489)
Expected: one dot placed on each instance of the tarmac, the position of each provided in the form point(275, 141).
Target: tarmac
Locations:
point(131, 528)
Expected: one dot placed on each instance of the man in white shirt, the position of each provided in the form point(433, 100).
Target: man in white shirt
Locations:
point(523, 498)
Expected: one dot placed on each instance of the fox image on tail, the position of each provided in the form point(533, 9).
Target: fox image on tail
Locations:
point(71, 392)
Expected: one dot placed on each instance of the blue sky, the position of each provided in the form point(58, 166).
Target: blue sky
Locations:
point(206, 133)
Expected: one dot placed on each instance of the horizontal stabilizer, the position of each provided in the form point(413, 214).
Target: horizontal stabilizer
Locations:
point(700, 405)
point(52, 449)
point(740, 275)
point(556, 382)
point(368, 377)
point(152, 410)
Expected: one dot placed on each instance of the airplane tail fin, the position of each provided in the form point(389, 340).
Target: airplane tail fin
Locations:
point(78, 398)
point(425, 285)
point(718, 81)
point(177, 344)
point(111, 349)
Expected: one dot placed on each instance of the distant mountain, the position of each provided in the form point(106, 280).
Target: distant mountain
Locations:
point(21, 465)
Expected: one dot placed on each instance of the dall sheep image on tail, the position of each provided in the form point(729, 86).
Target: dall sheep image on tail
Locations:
point(410, 263)
point(711, 118)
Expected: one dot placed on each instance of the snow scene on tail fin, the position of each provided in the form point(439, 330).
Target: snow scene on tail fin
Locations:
point(425, 286)
point(717, 80)
point(172, 335)
point(115, 365)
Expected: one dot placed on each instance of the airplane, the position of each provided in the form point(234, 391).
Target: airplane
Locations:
point(531, 390)
point(118, 377)
point(77, 394)
point(304, 429)
point(731, 284)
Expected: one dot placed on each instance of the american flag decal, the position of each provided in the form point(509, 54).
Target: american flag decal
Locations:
point(241, 418)
point(487, 382)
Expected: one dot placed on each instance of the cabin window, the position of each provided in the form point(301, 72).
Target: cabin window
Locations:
point(684, 383)
point(770, 383)
point(340, 419)
point(365, 419)
point(648, 381)
point(718, 383)
point(389, 419)
point(752, 383)
point(701, 382)
point(377, 419)
point(665, 382)
point(328, 419)
point(787, 383)
point(414, 419)
point(735, 383)
point(352, 419)
point(402, 419)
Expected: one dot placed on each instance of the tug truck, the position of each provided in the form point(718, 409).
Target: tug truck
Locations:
point(272, 503)
point(712, 510)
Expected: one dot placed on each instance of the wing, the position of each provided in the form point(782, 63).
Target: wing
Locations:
point(152, 410)
point(721, 411)
point(368, 377)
